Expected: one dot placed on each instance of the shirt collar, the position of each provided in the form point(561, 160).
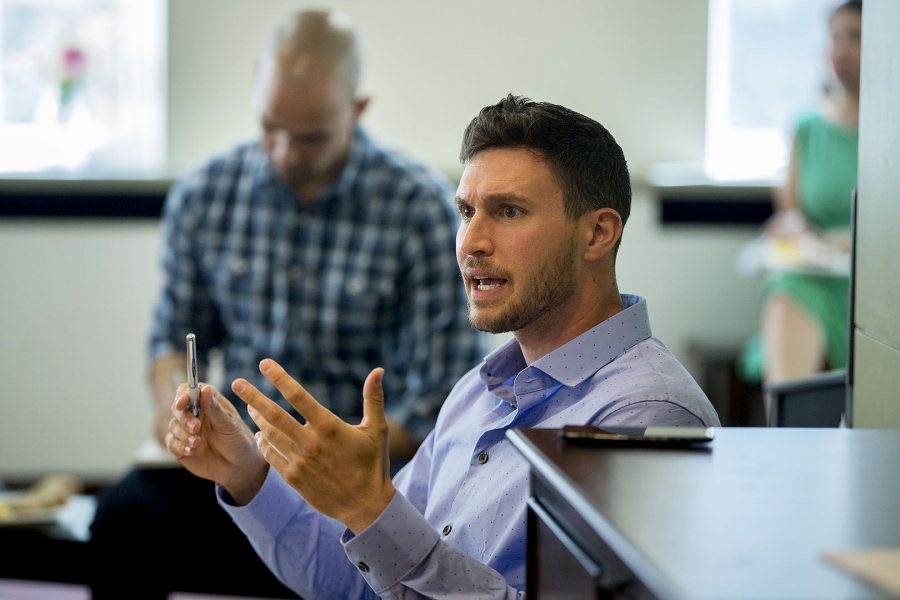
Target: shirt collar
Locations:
point(573, 362)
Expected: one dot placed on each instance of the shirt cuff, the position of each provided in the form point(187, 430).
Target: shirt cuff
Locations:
point(266, 515)
point(392, 546)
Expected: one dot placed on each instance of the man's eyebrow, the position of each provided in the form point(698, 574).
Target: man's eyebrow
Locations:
point(503, 198)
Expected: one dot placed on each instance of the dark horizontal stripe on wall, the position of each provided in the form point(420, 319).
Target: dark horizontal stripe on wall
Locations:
point(709, 211)
point(82, 199)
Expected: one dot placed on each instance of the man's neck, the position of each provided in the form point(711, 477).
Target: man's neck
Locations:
point(308, 192)
point(566, 323)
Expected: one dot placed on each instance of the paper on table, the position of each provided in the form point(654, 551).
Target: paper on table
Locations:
point(801, 253)
point(878, 566)
point(39, 502)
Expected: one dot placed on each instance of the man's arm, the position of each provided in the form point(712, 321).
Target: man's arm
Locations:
point(165, 371)
point(401, 556)
point(183, 304)
point(788, 218)
point(299, 545)
point(657, 413)
point(341, 472)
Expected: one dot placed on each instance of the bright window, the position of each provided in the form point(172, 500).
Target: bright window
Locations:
point(82, 86)
point(768, 62)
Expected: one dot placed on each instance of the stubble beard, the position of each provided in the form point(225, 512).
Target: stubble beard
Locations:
point(553, 284)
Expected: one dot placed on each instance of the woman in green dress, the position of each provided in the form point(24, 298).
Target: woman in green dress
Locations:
point(805, 315)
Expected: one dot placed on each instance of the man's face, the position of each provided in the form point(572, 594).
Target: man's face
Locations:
point(307, 127)
point(515, 246)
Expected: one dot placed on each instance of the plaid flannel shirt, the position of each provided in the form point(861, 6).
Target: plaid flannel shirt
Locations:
point(363, 276)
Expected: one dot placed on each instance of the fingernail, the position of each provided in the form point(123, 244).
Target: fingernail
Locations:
point(238, 386)
point(265, 365)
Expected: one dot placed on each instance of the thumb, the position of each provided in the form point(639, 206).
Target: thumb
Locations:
point(211, 405)
point(373, 399)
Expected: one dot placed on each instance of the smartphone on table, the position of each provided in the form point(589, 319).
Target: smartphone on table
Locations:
point(671, 437)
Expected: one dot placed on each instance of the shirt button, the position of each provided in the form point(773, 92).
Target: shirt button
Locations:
point(483, 457)
point(362, 567)
point(447, 529)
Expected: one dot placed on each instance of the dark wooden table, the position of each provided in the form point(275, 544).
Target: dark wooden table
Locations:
point(748, 518)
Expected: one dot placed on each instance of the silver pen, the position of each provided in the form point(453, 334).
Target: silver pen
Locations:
point(193, 383)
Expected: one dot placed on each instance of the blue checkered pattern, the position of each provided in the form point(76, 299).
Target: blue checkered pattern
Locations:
point(363, 276)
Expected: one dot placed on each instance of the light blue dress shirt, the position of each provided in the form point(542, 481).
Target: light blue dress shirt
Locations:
point(456, 529)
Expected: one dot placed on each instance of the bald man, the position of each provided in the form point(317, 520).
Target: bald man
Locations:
point(312, 244)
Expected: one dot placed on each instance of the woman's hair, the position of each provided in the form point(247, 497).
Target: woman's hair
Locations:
point(849, 5)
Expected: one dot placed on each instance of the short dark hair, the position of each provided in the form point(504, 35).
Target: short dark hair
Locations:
point(584, 157)
point(854, 6)
point(849, 5)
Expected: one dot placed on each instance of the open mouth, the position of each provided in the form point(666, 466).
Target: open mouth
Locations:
point(487, 284)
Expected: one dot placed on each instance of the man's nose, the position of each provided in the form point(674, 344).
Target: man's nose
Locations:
point(476, 236)
point(284, 147)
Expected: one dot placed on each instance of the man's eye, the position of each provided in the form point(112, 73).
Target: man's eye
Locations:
point(467, 212)
point(511, 212)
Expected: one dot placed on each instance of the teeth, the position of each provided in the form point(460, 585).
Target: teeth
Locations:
point(481, 285)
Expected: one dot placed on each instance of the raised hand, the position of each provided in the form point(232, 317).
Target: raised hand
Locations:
point(341, 470)
point(217, 445)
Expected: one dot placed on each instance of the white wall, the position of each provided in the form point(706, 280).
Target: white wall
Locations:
point(74, 314)
point(638, 66)
point(76, 299)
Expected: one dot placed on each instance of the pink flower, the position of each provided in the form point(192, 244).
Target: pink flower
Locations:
point(74, 61)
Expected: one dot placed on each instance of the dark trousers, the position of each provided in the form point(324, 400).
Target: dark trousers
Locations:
point(161, 530)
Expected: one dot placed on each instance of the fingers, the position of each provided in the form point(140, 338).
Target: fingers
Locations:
point(181, 412)
point(182, 438)
point(274, 436)
point(273, 455)
point(219, 410)
point(292, 391)
point(265, 410)
point(181, 444)
point(373, 400)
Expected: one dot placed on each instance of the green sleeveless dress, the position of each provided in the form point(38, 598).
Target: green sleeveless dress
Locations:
point(826, 176)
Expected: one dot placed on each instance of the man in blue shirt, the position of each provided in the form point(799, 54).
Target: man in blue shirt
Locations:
point(543, 200)
point(315, 245)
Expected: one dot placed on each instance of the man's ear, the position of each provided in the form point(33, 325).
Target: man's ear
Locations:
point(359, 106)
point(603, 229)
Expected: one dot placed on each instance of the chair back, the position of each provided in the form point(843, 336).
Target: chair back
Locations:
point(816, 401)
